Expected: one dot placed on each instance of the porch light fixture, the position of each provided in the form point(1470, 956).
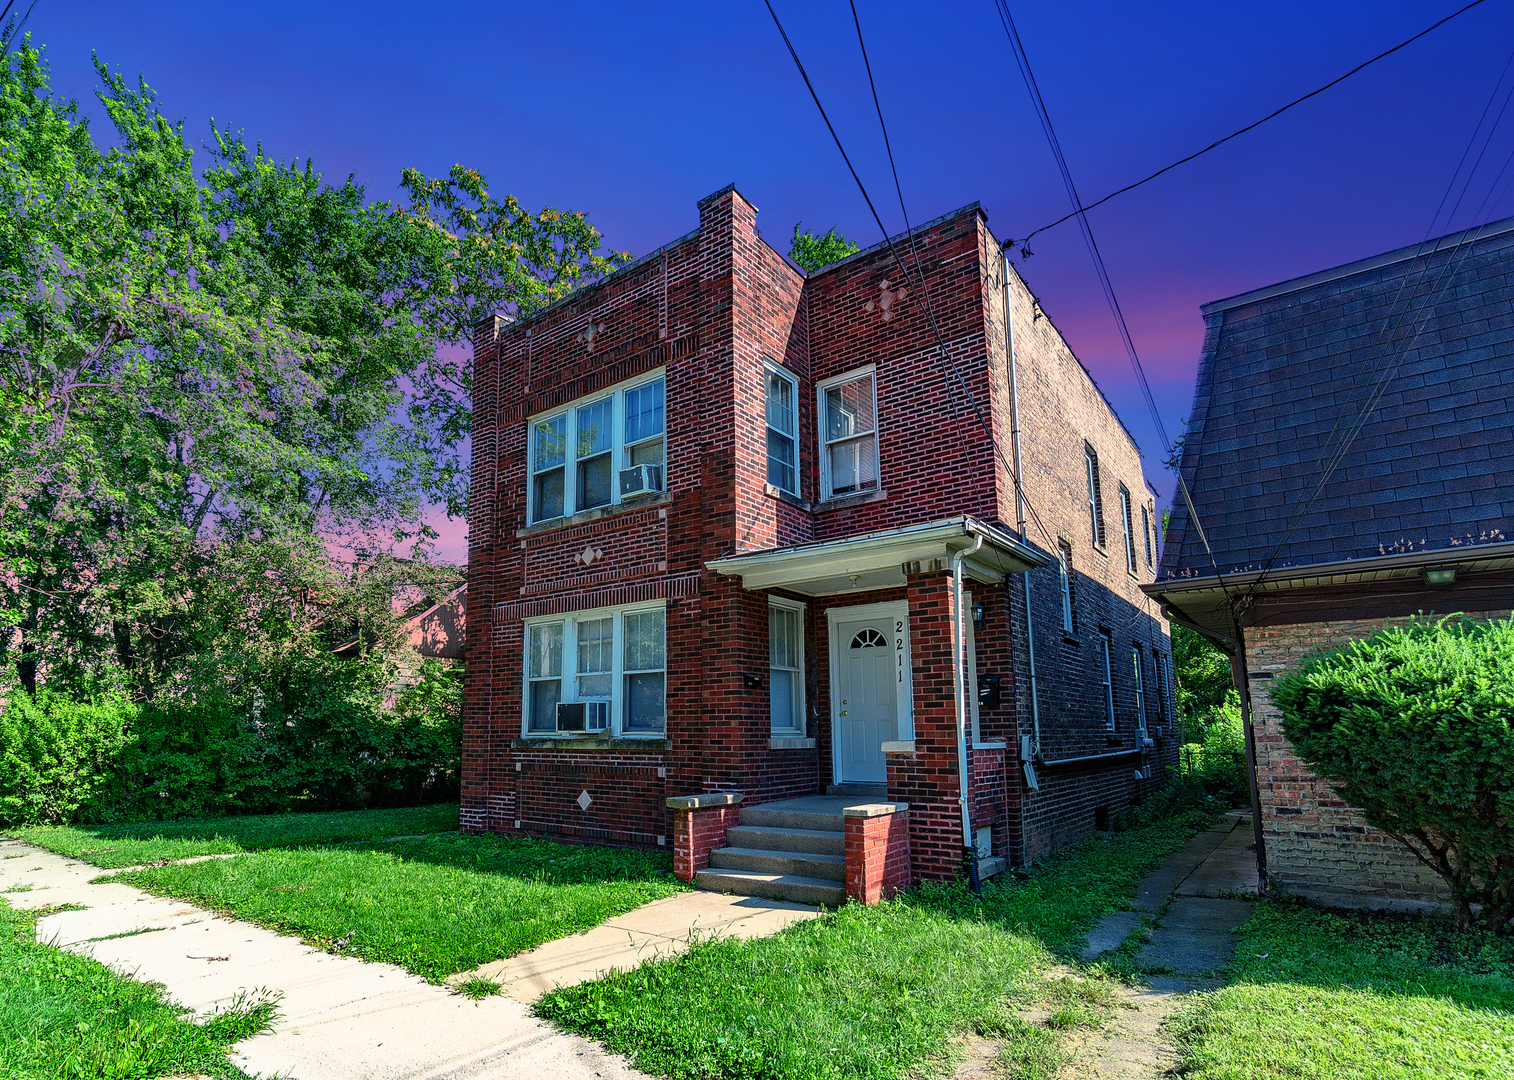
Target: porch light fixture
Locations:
point(1440, 575)
point(978, 616)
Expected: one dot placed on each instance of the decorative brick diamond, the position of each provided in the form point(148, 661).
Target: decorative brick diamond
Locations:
point(584, 800)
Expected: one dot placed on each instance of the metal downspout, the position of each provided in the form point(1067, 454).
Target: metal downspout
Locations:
point(1014, 401)
point(1238, 675)
point(959, 685)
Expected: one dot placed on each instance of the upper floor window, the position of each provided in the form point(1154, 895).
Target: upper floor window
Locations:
point(848, 435)
point(783, 431)
point(786, 666)
point(599, 450)
point(1095, 503)
point(601, 670)
point(1106, 646)
point(1064, 565)
point(1129, 527)
point(1146, 532)
point(1140, 689)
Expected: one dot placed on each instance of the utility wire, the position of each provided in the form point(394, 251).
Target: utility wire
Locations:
point(1022, 60)
point(1255, 124)
point(903, 267)
point(920, 270)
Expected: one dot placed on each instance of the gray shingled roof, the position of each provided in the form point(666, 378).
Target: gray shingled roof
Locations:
point(1433, 464)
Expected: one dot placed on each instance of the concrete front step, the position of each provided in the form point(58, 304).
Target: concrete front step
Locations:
point(786, 815)
point(805, 890)
point(790, 863)
point(820, 842)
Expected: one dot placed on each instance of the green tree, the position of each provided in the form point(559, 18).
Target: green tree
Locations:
point(813, 252)
point(1415, 727)
point(1203, 677)
point(242, 357)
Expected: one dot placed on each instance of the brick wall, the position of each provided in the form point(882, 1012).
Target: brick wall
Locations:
point(1317, 846)
point(878, 862)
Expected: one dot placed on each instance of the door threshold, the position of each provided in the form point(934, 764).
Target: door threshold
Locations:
point(858, 788)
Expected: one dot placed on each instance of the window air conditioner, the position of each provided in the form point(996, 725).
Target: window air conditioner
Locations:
point(640, 480)
point(570, 716)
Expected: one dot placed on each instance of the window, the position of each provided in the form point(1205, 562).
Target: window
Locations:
point(1095, 505)
point(783, 428)
point(848, 435)
point(1129, 527)
point(1140, 691)
point(1064, 564)
point(1169, 692)
point(1105, 648)
point(1159, 671)
point(1146, 532)
point(611, 660)
point(608, 434)
point(786, 667)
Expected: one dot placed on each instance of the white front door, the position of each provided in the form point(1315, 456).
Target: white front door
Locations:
point(867, 695)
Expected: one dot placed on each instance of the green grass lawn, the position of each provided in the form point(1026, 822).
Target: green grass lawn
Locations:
point(1319, 996)
point(112, 846)
point(875, 992)
point(64, 1016)
point(434, 906)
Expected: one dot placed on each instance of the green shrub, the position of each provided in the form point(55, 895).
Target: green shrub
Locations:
point(1413, 727)
point(1217, 763)
point(57, 755)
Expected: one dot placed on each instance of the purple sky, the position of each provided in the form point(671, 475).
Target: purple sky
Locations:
point(634, 112)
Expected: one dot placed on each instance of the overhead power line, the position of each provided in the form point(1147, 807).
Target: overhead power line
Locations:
point(1022, 60)
point(903, 267)
point(1081, 209)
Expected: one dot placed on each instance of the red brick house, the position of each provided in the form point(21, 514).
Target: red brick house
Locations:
point(1412, 349)
point(729, 522)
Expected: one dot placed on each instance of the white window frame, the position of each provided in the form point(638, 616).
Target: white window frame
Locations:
point(1095, 493)
point(798, 704)
point(1106, 649)
point(770, 368)
point(1146, 532)
point(619, 451)
point(1064, 564)
point(1140, 689)
point(870, 372)
point(569, 677)
point(1128, 522)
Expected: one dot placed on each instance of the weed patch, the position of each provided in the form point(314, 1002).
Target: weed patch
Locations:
point(66, 1016)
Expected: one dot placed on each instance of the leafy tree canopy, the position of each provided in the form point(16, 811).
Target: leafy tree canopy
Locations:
point(199, 356)
point(813, 252)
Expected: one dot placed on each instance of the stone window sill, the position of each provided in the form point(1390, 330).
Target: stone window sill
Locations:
point(990, 745)
point(641, 743)
point(906, 746)
point(850, 500)
point(772, 491)
point(585, 516)
point(790, 742)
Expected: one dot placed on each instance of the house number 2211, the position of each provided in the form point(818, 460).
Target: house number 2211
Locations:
point(899, 648)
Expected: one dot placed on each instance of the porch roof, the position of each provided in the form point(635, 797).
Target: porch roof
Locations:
point(876, 560)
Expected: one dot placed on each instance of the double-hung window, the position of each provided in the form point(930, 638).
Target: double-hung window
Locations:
point(1095, 507)
point(1159, 675)
point(1064, 566)
point(1146, 532)
point(783, 431)
point(585, 456)
point(786, 666)
point(1140, 690)
point(1105, 648)
point(612, 661)
point(1129, 527)
point(848, 407)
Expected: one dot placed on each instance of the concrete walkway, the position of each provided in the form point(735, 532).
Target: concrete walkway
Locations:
point(1189, 902)
point(345, 1019)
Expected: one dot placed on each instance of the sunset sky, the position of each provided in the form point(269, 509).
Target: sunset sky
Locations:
point(633, 112)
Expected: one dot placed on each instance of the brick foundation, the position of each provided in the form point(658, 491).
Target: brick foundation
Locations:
point(877, 851)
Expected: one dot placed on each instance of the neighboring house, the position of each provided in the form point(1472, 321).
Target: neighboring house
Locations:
point(432, 629)
point(1416, 516)
point(719, 515)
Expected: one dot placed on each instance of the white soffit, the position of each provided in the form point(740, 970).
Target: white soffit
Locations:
point(876, 560)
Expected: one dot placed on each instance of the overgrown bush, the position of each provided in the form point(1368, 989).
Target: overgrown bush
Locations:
point(1217, 762)
point(319, 736)
point(57, 755)
point(1413, 727)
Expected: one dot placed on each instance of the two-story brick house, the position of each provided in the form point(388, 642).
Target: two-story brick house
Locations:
point(740, 537)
